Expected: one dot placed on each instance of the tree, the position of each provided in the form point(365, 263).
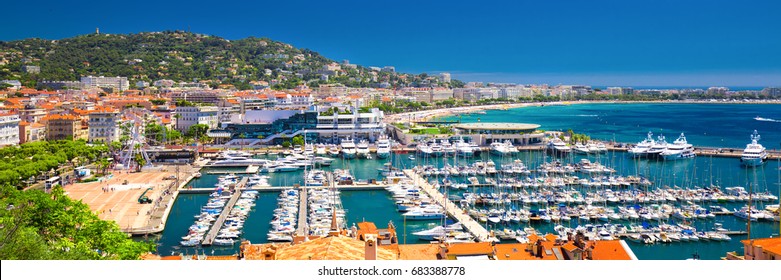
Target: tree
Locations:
point(298, 140)
point(286, 144)
point(103, 165)
point(140, 162)
point(48, 226)
point(196, 131)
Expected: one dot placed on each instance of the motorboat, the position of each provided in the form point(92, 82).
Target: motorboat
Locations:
point(362, 149)
point(321, 150)
point(659, 146)
point(383, 147)
point(558, 147)
point(464, 149)
point(642, 148)
point(348, 148)
point(502, 148)
point(679, 149)
point(424, 213)
point(754, 154)
point(581, 149)
point(438, 231)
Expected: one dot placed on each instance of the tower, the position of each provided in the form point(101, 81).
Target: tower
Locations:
point(97, 30)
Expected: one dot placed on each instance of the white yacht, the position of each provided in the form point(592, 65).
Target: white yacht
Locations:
point(641, 149)
point(503, 148)
point(424, 213)
point(333, 150)
point(581, 149)
point(679, 149)
point(321, 150)
point(362, 149)
point(424, 150)
point(348, 148)
point(448, 149)
point(438, 231)
point(754, 154)
point(557, 146)
point(464, 149)
point(597, 147)
point(227, 160)
point(436, 149)
point(658, 147)
point(383, 147)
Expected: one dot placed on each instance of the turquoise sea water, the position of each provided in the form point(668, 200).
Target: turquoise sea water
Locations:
point(708, 125)
point(377, 206)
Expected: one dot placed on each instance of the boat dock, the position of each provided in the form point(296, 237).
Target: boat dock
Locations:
point(731, 232)
point(207, 241)
point(452, 209)
point(303, 212)
point(252, 169)
point(280, 188)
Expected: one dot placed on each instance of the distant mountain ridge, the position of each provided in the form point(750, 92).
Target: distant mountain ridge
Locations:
point(185, 56)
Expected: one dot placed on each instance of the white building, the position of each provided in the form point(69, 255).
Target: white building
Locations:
point(619, 90)
point(9, 129)
point(189, 116)
point(119, 83)
point(445, 77)
point(104, 125)
point(471, 94)
point(356, 125)
point(15, 84)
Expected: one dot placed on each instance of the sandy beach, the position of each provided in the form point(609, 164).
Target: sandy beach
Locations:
point(428, 115)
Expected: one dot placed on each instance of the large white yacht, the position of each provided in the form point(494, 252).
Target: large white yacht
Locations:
point(424, 150)
point(448, 148)
point(464, 149)
point(581, 149)
point(383, 147)
point(557, 146)
point(754, 154)
point(232, 158)
point(679, 149)
point(503, 148)
point(641, 149)
point(425, 213)
point(321, 150)
point(348, 148)
point(436, 149)
point(658, 147)
point(362, 149)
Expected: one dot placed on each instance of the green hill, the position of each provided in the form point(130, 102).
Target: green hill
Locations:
point(184, 56)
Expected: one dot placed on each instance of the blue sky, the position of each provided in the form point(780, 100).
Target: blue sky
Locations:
point(634, 43)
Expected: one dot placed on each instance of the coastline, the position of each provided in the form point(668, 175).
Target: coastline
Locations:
point(433, 114)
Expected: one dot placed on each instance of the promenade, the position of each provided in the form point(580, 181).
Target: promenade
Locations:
point(116, 196)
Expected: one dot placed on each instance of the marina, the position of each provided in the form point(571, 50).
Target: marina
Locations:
point(507, 196)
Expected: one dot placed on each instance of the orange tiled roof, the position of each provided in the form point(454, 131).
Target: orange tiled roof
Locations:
point(61, 117)
point(331, 248)
point(609, 250)
point(464, 249)
point(418, 252)
point(771, 245)
point(515, 251)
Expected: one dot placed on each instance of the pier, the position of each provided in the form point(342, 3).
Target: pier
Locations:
point(451, 208)
point(252, 169)
point(207, 241)
point(303, 205)
point(280, 188)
